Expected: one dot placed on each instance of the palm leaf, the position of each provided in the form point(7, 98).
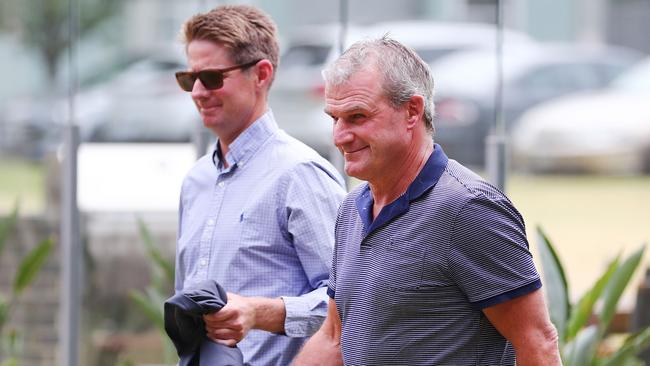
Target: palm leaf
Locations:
point(7, 225)
point(4, 313)
point(581, 312)
point(632, 346)
point(555, 287)
point(152, 309)
point(616, 285)
point(582, 349)
point(161, 262)
point(31, 265)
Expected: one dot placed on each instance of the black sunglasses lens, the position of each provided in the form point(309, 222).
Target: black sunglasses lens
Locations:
point(185, 80)
point(211, 79)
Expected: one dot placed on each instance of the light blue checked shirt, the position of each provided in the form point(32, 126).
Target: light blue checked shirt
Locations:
point(264, 226)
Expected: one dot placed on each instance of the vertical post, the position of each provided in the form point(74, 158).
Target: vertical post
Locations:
point(641, 317)
point(70, 252)
point(495, 143)
point(70, 244)
point(335, 155)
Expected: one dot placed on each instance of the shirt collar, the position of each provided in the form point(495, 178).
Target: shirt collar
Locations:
point(425, 180)
point(247, 143)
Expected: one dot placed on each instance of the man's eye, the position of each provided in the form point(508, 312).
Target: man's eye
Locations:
point(357, 116)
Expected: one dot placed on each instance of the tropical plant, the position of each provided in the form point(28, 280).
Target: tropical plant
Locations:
point(45, 25)
point(151, 300)
point(29, 267)
point(580, 338)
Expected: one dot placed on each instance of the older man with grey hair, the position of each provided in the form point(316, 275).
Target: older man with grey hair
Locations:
point(431, 263)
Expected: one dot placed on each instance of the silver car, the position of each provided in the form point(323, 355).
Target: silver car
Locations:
point(606, 131)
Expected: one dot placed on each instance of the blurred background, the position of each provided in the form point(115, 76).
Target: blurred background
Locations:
point(569, 85)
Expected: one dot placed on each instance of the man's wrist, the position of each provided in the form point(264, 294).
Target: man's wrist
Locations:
point(268, 313)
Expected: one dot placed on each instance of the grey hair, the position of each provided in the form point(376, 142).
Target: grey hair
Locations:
point(404, 73)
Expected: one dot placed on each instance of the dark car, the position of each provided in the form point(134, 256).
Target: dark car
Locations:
point(466, 85)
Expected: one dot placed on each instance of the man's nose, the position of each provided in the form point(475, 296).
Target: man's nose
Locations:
point(341, 133)
point(198, 90)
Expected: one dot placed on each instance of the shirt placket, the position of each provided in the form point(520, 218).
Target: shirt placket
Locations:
point(207, 236)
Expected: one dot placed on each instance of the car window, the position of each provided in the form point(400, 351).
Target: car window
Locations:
point(560, 78)
point(305, 56)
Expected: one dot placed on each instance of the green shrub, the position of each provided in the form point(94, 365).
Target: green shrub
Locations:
point(27, 270)
point(150, 302)
point(579, 340)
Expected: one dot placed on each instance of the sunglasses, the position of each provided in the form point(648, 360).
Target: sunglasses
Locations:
point(211, 79)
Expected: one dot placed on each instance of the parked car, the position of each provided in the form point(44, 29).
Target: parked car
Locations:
point(466, 84)
point(136, 145)
point(606, 131)
point(297, 96)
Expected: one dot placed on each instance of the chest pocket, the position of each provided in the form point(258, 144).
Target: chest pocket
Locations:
point(402, 263)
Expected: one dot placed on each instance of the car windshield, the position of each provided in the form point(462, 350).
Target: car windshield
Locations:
point(635, 80)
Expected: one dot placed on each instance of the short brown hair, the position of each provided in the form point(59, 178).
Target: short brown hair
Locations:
point(246, 31)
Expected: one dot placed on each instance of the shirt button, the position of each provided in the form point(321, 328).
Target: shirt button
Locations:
point(221, 184)
point(211, 222)
point(203, 262)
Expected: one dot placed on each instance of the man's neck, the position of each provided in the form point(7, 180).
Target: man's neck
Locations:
point(394, 185)
point(225, 141)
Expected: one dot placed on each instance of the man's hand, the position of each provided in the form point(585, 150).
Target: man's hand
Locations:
point(231, 324)
point(241, 314)
point(324, 347)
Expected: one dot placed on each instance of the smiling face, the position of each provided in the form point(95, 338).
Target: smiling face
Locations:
point(229, 110)
point(372, 135)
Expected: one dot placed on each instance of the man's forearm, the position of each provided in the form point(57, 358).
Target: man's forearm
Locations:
point(324, 347)
point(541, 350)
point(269, 314)
point(321, 349)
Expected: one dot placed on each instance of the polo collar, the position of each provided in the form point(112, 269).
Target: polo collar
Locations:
point(425, 180)
point(248, 142)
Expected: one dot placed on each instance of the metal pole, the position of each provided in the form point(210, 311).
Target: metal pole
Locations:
point(641, 316)
point(343, 20)
point(70, 245)
point(495, 143)
point(335, 155)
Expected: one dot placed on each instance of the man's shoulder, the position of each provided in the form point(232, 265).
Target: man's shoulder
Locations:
point(458, 180)
point(289, 155)
point(468, 190)
point(292, 150)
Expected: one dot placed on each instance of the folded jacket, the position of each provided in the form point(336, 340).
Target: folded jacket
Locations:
point(185, 327)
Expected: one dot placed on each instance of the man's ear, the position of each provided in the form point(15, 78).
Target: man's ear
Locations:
point(264, 72)
point(414, 110)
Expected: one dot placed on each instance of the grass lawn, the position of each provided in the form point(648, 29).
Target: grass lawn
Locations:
point(23, 181)
point(590, 219)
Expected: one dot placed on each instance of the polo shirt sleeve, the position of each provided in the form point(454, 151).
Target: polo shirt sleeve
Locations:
point(489, 257)
point(313, 195)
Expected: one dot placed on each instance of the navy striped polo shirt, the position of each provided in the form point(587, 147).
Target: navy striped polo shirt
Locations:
point(410, 285)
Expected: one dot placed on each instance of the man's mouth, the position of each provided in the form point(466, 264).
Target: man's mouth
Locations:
point(348, 152)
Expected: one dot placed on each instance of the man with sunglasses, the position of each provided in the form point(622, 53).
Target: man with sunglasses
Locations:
point(257, 213)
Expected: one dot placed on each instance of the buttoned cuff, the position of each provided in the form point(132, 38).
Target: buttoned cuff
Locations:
point(304, 315)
